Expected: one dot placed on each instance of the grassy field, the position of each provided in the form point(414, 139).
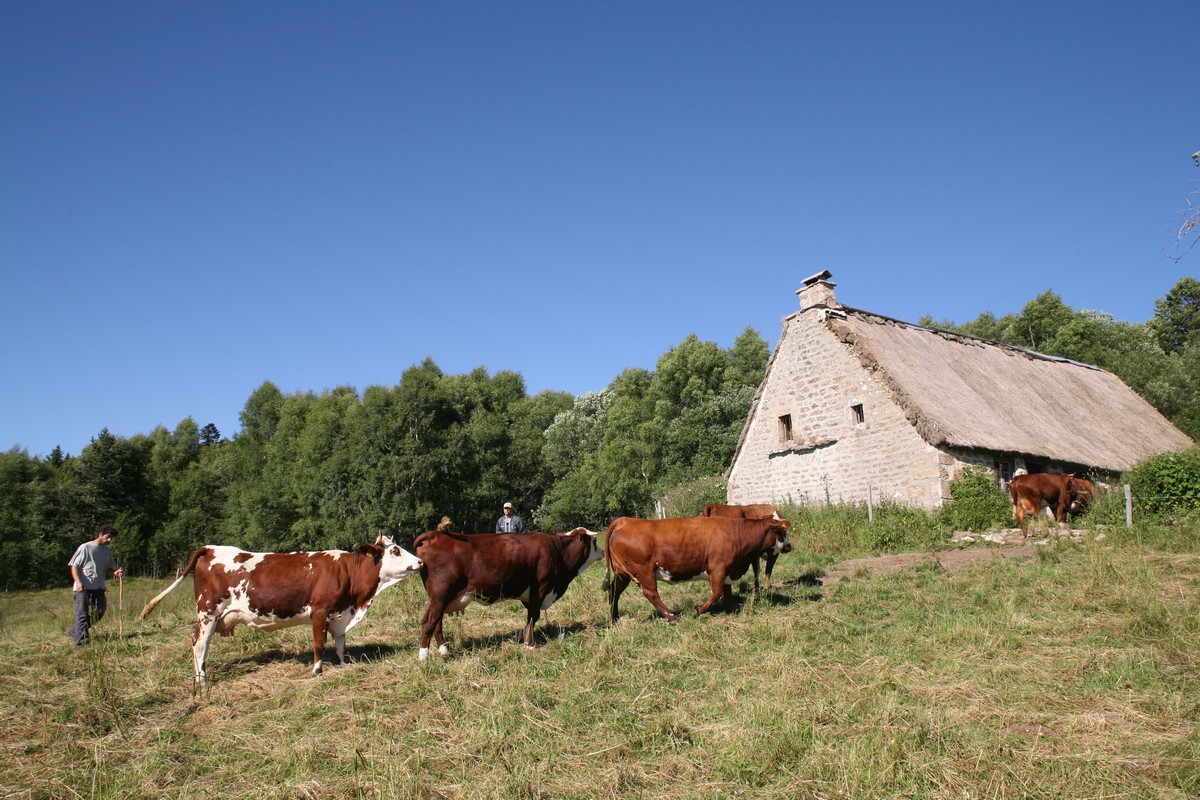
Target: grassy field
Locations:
point(1075, 673)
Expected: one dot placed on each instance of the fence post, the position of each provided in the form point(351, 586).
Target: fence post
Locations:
point(1128, 507)
point(870, 504)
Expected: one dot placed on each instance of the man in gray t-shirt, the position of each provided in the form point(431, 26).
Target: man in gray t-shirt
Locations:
point(89, 566)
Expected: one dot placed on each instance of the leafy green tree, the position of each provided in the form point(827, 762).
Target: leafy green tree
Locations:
point(255, 515)
point(985, 326)
point(1038, 323)
point(621, 451)
point(1187, 418)
point(1177, 316)
point(260, 415)
point(197, 506)
point(575, 432)
point(701, 440)
point(616, 477)
point(525, 472)
point(117, 487)
point(19, 483)
point(747, 360)
point(284, 516)
point(700, 424)
point(381, 482)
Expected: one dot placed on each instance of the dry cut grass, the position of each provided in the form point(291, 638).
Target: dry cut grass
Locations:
point(1071, 674)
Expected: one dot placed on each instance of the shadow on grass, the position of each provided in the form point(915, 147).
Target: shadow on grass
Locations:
point(634, 603)
point(228, 667)
point(542, 635)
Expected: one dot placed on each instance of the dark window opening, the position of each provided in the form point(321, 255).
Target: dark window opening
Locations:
point(785, 428)
point(857, 413)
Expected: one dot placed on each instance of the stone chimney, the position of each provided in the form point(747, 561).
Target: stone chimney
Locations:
point(818, 291)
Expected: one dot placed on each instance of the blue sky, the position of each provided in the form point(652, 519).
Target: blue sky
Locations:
point(196, 198)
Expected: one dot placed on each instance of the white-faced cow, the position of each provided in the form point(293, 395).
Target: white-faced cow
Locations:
point(721, 549)
point(535, 568)
point(752, 511)
point(332, 589)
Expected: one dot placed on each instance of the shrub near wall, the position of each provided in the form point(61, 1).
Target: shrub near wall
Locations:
point(1167, 486)
point(976, 502)
point(846, 529)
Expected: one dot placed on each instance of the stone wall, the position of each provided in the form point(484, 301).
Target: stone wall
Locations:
point(817, 381)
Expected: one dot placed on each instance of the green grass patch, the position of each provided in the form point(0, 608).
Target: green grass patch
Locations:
point(1071, 673)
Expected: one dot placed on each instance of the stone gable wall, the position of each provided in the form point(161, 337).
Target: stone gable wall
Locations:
point(816, 379)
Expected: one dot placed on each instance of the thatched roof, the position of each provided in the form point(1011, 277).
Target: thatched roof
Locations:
point(963, 392)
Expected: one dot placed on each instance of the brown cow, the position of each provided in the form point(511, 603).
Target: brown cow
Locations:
point(535, 568)
point(1082, 492)
point(1030, 493)
point(751, 511)
point(332, 589)
point(646, 551)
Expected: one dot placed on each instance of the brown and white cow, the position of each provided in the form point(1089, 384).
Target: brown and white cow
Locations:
point(1031, 492)
point(332, 589)
point(721, 549)
point(535, 568)
point(750, 511)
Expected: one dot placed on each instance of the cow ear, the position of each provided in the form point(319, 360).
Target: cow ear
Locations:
point(369, 549)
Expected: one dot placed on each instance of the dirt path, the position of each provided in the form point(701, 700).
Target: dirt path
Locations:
point(1005, 544)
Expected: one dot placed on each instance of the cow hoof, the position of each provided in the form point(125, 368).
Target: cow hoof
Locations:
point(444, 650)
point(672, 619)
point(423, 654)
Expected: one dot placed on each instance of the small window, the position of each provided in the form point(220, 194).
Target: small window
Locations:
point(785, 429)
point(857, 414)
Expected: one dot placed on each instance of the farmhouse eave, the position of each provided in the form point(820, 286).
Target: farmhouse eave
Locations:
point(964, 392)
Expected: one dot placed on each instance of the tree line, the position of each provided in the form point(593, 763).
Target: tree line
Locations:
point(315, 471)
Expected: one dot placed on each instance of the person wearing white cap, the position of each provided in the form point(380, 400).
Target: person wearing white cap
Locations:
point(509, 522)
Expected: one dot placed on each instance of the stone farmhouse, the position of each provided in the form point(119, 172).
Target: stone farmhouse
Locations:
point(857, 406)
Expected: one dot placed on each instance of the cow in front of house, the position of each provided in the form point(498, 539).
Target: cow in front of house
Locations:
point(1082, 491)
point(331, 589)
point(535, 568)
point(721, 549)
point(1032, 492)
point(750, 511)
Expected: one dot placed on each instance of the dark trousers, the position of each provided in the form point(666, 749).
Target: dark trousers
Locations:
point(90, 605)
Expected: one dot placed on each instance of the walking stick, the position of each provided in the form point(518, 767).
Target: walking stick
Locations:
point(121, 602)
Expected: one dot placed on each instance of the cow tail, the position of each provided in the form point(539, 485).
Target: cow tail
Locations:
point(191, 565)
point(607, 586)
